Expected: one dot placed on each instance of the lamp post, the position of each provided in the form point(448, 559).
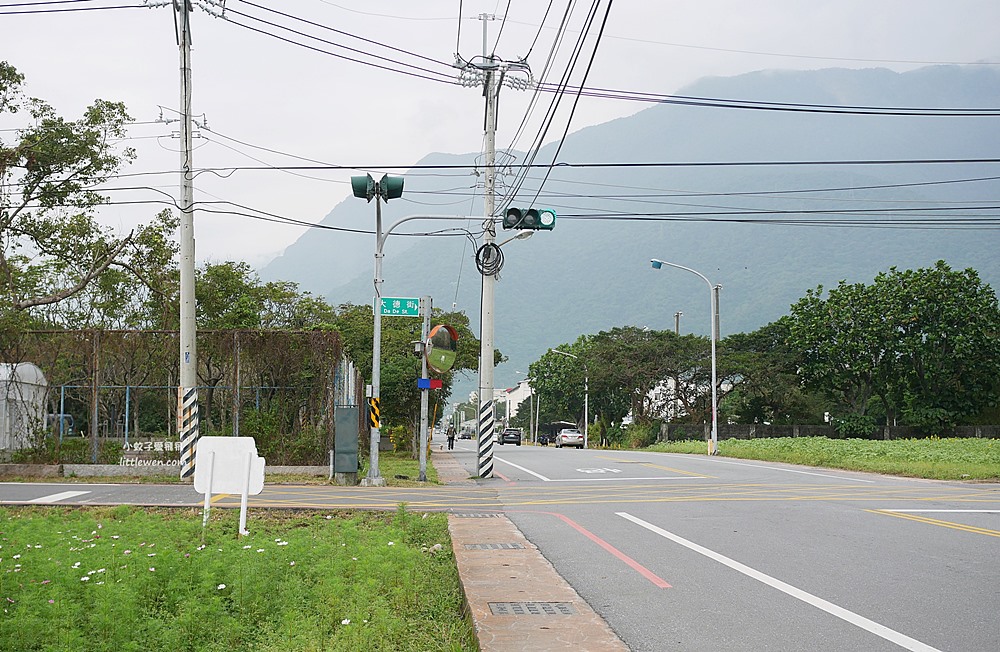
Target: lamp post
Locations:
point(713, 446)
point(366, 188)
point(385, 189)
point(586, 393)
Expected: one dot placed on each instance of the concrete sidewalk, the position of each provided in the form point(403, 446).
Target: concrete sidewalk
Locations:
point(515, 597)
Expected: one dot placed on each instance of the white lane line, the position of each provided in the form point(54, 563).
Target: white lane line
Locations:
point(890, 635)
point(518, 466)
point(944, 511)
point(637, 479)
point(53, 498)
point(544, 479)
point(778, 468)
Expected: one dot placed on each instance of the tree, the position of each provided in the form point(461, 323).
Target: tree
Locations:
point(761, 368)
point(633, 371)
point(51, 246)
point(924, 344)
point(400, 368)
point(946, 328)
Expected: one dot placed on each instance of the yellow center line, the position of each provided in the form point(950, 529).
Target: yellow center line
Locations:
point(934, 521)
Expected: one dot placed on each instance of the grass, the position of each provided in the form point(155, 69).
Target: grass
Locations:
point(125, 579)
point(940, 459)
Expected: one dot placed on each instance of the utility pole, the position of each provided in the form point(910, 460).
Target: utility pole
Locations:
point(486, 424)
point(491, 74)
point(677, 322)
point(426, 308)
point(187, 389)
point(187, 385)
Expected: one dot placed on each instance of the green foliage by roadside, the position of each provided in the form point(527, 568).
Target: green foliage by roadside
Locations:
point(761, 369)
point(936, 458)
point(124, 579)
point(51, 246)
point(925, 344)
point(400, 368)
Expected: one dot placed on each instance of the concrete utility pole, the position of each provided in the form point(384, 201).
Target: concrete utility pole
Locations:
point(486, 425)
point(187, 389)
point(491, 73)
point(187, 385)
point(426, 308)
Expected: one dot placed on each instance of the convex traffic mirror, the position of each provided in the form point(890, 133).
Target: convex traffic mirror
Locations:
point(442, 348)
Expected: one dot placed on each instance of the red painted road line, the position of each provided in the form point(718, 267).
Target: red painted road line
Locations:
point(503, 477)
point(636, 566)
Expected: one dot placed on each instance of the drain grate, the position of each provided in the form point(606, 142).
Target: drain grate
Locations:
point(531, 608)
point(478, 515)
point(494, 546)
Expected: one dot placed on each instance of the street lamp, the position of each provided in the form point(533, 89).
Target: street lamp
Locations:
point(713, 446)
point(387, 188)
point(366, 188)
point(523, 235)
point(586, 392)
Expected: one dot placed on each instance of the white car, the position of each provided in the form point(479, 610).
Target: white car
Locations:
point(569, 437)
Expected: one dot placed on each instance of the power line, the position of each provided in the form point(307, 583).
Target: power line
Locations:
point(60, 11)
point(229, 12)
point(445, 79)
point(348, 34)
point(625, 165)
point(754, 105)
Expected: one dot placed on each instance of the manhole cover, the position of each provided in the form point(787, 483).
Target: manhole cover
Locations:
point(531, 608)
point(494, 546)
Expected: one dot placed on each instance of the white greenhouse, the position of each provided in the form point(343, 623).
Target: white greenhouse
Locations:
point(23, 390)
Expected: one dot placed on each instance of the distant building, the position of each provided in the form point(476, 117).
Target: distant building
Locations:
point(516, 395)
point(23, 392)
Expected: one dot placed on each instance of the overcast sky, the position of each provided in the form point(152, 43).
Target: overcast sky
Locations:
point(268, 93)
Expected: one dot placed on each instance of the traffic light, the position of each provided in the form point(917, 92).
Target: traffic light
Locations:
point(530, 218)
point(390, 187)
point(387, 188)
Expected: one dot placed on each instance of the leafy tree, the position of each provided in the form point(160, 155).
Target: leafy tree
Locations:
point(845, 345)
point(230, 296)
point(762, 369)
point(51, 247)
point(632, 370)
point(400, 368)
point(923, 343)
point(946, 328)
point(559, 381)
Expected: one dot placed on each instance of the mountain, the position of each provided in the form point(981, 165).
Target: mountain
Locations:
point(589, 275)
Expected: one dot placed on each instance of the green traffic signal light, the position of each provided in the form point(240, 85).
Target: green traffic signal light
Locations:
point(546, 219)
point(529, 218)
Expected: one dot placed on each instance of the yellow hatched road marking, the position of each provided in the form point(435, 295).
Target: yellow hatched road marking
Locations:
point(934, 521)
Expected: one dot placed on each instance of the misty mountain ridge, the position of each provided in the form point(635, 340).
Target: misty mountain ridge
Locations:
point(589, 275)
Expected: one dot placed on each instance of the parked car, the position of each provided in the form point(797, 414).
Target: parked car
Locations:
point(510, 436)
point(569, 437)
point(466, 434)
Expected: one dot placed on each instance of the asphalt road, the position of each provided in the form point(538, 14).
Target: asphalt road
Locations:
point(693, 553)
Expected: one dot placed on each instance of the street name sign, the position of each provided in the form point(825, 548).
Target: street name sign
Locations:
point(399, 306)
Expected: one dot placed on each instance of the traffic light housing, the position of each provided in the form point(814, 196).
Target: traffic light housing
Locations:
point(530, 218)
point(387, 188)
point(390, 187)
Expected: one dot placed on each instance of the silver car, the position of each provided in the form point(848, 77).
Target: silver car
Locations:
point(569, 437)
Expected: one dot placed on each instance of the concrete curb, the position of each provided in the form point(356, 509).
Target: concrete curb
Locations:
point(120, 470)
point(515, 597)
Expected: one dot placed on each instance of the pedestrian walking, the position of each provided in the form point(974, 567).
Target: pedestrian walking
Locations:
point(451, 437)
